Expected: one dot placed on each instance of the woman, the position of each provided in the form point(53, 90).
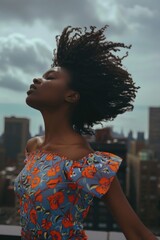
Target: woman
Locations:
point(62, 174)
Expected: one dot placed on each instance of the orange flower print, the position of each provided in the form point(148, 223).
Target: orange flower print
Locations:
point(28, 179)
point(39, 232)
point(29, 165)
point(104, 185)
point(52, 183)
point(33, 216)
point(20, 200)
point(46, 224)
point(56, 199)
point(84, 213)
point(71, 198)
point(89, 171)
point(53, 171)
point(113, 165)
point(49, 157)
point(71, 233)
point(35, 170)
point(74, 165)
point(35, 181)
point(26, 196)
point(25, 206)
point(55, 235)
point(73, 186)
point(68, 220)
point(38, 196)
point(112, 155)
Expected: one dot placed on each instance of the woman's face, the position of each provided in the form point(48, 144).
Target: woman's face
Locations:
point(51, 90)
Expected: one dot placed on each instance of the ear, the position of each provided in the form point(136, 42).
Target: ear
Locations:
point(72, 97)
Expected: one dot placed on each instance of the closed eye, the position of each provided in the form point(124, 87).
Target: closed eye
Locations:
point(50, 77)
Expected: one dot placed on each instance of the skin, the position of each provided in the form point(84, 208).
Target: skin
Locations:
point(56, 101)
point(130, 223)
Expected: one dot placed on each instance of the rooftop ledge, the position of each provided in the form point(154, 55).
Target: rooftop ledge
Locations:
point(10, 232)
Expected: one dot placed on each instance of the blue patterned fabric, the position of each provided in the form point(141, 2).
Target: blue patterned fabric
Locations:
point(56, 193)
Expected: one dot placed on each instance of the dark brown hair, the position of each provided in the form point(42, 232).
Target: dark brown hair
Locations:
point(106, 88)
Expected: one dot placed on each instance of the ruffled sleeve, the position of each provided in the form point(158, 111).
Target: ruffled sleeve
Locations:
point(95, 173)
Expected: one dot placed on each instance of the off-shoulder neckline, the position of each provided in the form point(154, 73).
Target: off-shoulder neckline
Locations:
point(43, 151)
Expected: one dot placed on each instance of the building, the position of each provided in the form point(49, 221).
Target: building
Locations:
point(143, 185)
point(132, 162)
point(140, 136)
point(154, 130)
point(16, 134)
point(148, 196)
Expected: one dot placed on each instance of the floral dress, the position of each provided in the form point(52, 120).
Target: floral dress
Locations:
point(55, 193)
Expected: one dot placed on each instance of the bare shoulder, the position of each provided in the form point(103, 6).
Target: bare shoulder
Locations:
point(74, 152)
point(32, 143)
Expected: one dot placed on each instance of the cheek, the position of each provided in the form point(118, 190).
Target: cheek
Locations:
point(46, 96)
point(53, 93)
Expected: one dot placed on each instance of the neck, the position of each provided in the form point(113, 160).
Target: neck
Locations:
point(58, 130)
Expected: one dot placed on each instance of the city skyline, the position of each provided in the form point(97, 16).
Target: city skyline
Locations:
point(27, 40)
point(117, 125)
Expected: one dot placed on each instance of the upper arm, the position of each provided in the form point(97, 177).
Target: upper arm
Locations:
point(122, 211)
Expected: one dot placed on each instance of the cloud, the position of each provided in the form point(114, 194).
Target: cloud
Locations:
point(56, 12)
point(12, 82)
point(20, 58)
point(124, 17)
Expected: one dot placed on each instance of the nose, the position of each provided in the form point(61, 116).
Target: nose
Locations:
point(37, 80)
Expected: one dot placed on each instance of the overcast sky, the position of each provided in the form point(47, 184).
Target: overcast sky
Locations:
point(27, 40)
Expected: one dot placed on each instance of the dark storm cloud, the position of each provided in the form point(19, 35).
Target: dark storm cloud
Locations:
point(135, 21)
point(20, 57)
point(123, 16)
point(59, 13)
point(28, 55)
point(56, 12)
point(144, 13)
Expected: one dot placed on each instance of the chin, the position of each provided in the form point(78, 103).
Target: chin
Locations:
point(31, 103)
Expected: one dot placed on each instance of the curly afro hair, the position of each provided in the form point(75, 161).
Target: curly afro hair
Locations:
point(105, 88)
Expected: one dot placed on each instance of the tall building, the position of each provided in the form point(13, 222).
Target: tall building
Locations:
point(148, 191)
point(41, 131)
point(104, 134)
point(143, 185)
point(130, 135)
point(16, 134)
point(140, 136)
point(154, 130)
point(132, 163)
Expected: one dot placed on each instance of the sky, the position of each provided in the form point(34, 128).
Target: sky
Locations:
point(27, 39)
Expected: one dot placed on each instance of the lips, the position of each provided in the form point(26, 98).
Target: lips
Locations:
point(32, 89)
point(32, 86)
